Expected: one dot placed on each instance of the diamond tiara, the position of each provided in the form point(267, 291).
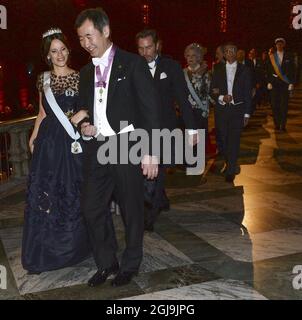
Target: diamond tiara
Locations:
point(51, 32)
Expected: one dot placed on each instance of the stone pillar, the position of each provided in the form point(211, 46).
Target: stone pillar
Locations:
point(18, 153)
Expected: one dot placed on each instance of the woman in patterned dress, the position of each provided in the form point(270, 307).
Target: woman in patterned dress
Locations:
point(54, 233)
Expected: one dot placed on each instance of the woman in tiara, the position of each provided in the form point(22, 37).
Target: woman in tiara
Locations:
point(54, 234)
point(198, 81)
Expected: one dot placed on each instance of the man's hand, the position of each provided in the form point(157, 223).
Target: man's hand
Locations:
point(246, 121)
point(193, 139)
point(269, 86)
point(150, 166)
point(227, 98)
point(88, 130)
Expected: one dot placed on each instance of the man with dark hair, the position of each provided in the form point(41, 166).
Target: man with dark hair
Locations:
point(280, 78)
point(219, 63)
point(97, 16)
point(232, 90)
point(170, 83)
point(148, 33)
point(116, 88)
point(219, 56)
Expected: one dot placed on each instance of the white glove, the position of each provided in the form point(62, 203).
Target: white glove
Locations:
point(269, 86)
point(291, 87)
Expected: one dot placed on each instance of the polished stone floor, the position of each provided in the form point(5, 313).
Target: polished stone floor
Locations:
point(218, 241)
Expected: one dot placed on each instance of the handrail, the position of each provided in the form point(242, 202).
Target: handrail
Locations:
point(7, 123)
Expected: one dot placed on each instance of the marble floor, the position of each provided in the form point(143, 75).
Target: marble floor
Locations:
point(219, 241)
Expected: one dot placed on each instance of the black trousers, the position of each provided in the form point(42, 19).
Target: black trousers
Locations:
point(256, 100)
point(158, 199)
point(279, 100)
point(201, 123)
point(229, 122)
point(126, 183)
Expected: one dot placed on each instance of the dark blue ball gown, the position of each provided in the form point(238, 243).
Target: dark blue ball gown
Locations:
point(54, 234)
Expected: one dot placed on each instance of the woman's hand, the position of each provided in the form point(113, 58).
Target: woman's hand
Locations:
point(79, 116)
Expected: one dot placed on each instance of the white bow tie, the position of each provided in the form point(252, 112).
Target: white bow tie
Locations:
point(152, 64)
point(100, 61)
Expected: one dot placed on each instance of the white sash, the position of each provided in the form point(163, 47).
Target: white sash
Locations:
point(75, 146)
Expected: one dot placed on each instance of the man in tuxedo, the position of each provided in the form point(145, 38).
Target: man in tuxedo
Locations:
point(258, 78)
point(170, 83)
point(219, 63)
point(116, 86)
point(241, 58)
point(219, 57)
point(232, 90)
point(280, 77)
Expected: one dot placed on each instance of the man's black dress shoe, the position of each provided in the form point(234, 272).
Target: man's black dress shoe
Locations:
point(102, 274)
point(229, 178)
point(123, 278)
point(33, 272)
point(166, 207)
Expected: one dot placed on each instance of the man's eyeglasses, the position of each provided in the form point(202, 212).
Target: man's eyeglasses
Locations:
point(230, 50)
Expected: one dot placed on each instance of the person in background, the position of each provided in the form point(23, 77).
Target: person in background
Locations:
point(258, 73)
point(232, 90)
point(198, 81)
point(281, 79)
point(170, 83)
point(219, 63)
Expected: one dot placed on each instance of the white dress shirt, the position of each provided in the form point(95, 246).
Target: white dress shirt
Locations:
point(254, 62)
point(152, 66)
point(100, 106)
point(280, 55)
point(231, 72)
point(231, 69)
point(100, 101)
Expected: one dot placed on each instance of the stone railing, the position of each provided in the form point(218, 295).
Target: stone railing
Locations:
point(17, 151)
